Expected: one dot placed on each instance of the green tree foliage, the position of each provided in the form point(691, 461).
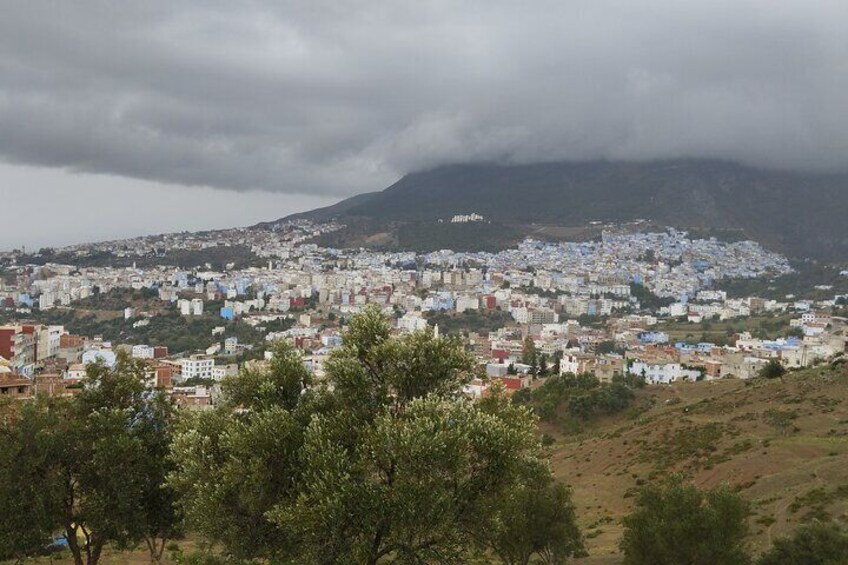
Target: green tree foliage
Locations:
point(530, 354)
point(166, 327)
point(772, 370)
point(647, 299)
point(811, 544)
point(577, 396)
point(557, 362)
point(95, 466)
point(161, 519)
point(537, 519)
point(385, 461)
point(677, 523)
point(218, 257)
point(606, 347)
point(30, 485)
point(282, 385)
point(478, 321)
point(424, 237)
point(795, 332)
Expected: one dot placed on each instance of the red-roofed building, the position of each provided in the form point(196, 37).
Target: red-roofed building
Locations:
point(515, 382)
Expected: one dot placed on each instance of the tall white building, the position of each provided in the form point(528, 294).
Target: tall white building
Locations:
point(197, 366)
point(46, 300)
point(197, 307)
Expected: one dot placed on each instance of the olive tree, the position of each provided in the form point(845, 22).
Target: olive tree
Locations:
point(817, 543)
point(92, 466)
point(385, 460)
point(676, 523)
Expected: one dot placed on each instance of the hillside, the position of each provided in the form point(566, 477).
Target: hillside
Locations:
point(800, 214)
point(328, 212)
point(782, 443)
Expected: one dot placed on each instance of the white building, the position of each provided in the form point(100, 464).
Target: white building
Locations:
point(476, 388)
point(197, 367)
point(142, 352)
point(542, 316)
point(464, 303)
point(411, 322)
point(76, 372)
point(678, 309)
point(48, 339)
point(105, 356)
point(46, 300)
point(197, 307)
point(497, 369)
point(662, 373)
point(466, 218)
point(519, 314)
point(570, 363)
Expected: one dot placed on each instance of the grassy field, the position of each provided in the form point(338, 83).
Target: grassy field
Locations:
point(783, 444)
point(765, 327)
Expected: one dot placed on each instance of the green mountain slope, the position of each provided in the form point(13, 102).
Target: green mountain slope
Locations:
point(801, 214)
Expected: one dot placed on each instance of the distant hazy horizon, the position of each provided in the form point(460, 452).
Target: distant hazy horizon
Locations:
point(90, 208)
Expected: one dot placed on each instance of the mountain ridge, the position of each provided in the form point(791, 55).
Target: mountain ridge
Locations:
point(797, 213)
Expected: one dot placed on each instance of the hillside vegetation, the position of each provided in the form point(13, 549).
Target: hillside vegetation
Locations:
point(217, 257)
point(795, 213)
point(783, 444)
point(103, 315)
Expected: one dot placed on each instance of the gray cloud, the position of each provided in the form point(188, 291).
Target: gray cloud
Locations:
point(333, 98)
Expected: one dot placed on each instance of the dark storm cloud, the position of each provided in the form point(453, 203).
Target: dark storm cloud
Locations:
point(332, 97)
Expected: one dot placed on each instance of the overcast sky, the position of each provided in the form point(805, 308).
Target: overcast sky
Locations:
point(120, 118)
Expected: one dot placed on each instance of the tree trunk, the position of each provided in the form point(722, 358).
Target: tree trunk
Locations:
point(73, 544)
point(156, 550)
point(92, 550)
point(375, 548)
point(161, 550)
point(95, 554)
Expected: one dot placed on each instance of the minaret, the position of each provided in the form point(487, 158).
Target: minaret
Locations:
point(436, 331)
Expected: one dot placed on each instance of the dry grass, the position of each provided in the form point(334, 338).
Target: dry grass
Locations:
point(782, 444)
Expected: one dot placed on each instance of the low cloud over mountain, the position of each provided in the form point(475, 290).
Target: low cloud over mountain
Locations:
point(337, 98)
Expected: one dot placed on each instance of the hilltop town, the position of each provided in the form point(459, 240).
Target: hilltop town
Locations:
point(641, 304)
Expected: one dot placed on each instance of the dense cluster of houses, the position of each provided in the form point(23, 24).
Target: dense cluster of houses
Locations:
point(550, 292)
